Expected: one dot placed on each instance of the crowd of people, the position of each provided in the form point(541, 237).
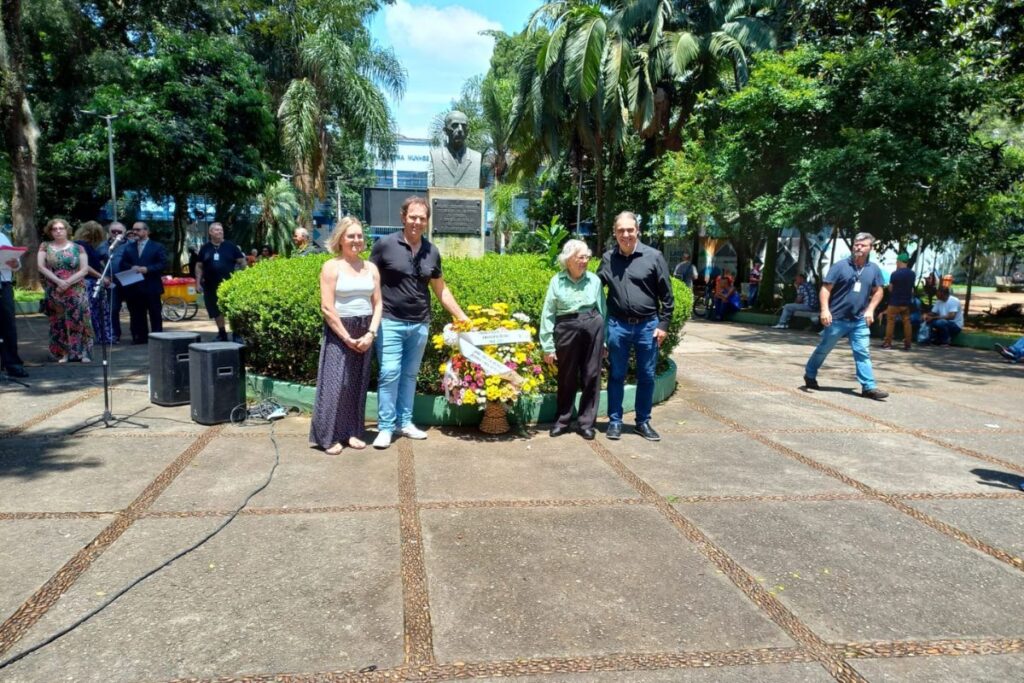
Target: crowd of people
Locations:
point(384, 303)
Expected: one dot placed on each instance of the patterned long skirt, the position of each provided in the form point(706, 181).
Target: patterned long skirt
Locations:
point(341, 383)
point(70, 322)
point(98, 311)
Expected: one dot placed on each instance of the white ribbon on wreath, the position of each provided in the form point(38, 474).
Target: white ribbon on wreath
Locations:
point(469, 344)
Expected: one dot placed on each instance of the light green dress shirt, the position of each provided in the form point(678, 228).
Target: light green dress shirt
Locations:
point(565, 296)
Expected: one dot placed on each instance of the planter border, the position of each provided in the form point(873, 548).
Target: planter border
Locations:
point(429, 409)
point(968, 340)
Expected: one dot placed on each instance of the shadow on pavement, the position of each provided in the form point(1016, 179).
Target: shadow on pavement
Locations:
point(45, 453)
point(998, 479)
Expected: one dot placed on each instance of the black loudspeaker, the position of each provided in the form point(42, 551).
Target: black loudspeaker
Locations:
point(168, 367)
point(217, 374)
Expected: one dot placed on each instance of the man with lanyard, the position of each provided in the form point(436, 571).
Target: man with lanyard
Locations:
point(8, 327)
point(640, 304)
point(850, 293)
point(410, 266)
point(218, 259)
point(108, 251)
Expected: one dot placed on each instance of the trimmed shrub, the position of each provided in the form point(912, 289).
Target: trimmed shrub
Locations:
point(275, 306)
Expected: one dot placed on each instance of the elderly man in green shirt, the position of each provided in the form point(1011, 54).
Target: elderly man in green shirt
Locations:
point(572, 335)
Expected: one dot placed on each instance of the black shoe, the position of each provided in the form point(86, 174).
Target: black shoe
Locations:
point(876, 394)
point(810, 382)
point(614, 431)
point(647, 431)
point(16, 371)
point(558, 430)
point(222, 336)
point(1003, 351)
point(587, 433)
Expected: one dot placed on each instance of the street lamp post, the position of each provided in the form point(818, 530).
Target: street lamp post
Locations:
point(109, 118)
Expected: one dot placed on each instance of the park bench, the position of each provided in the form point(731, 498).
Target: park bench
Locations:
point(1006, 283)
point(813, 316)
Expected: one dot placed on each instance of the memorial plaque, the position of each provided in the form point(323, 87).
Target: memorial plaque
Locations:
point(457, 216)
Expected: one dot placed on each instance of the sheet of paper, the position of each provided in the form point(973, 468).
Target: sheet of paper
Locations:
point(8, 253)
point(128, 277)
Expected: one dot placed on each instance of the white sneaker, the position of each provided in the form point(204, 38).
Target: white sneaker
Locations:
point(383, 440)
point(413, 432)
point(780, 326)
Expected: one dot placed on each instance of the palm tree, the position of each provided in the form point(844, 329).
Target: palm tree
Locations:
point(339, 89)
point(278, 207)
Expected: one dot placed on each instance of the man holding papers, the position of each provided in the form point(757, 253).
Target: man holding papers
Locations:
point(147, 258)
point(9, 264)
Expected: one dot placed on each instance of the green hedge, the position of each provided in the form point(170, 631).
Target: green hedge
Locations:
point(275, 306)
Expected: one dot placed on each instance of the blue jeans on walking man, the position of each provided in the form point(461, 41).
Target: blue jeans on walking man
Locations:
point(622, 337)
point(400, 347)
point(860, 343)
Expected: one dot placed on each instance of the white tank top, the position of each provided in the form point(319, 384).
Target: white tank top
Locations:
point(352, 295)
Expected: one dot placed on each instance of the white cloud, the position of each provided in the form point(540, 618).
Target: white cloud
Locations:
point(446, 37)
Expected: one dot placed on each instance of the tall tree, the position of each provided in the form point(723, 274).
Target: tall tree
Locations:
point(21, 136)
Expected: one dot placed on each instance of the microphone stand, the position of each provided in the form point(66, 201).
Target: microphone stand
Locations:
point(107, 419)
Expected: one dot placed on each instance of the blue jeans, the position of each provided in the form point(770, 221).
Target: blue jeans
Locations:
point(860, 344)
point(1017, 349)
point(943, 331)
point(622, 338)
point(400, 347)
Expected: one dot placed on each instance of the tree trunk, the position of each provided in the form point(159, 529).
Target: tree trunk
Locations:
point(766, 292)
point(180, 231)
point(20, 137)
point(970, 280)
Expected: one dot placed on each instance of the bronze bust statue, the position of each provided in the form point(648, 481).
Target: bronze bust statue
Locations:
point(455, 165)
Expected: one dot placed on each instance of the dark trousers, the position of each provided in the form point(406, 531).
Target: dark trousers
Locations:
point(578, 343)
point(8, 329)
point(116, 299)
point(141, 304)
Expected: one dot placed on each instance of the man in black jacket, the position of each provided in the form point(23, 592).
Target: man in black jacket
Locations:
point(148, 258)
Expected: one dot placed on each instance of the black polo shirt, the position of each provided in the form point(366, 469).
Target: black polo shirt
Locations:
point(405, 276)
point(639, 285)
point(219, 261)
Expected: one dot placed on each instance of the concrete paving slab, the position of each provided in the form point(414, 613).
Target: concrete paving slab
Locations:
point(21, 405)
point(781, 411)
point(269, 594)
point(891, 462)
point(912, 411)
point(76, 475)
point(125, 403)
point(719, 465)
point(995, 442)
point(229, 468)
point(553, 582)
point(986, 669)
point(1000, 523)
point(539, 468)
point(43, 546)
point(292, 425)
point(765, 673)
point(861, 571)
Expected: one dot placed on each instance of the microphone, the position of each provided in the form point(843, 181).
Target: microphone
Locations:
point(117, 238)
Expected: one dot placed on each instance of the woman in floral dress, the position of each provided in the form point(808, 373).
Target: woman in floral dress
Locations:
point(64, 266)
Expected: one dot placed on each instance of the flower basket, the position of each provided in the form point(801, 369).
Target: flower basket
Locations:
point(494, 361)
point(495, 420)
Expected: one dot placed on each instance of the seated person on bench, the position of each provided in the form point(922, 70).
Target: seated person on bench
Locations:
point(946, 319)
point(727, 299)
point(806, 301)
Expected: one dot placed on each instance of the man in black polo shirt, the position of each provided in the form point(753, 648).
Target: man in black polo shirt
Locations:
point(850, 293)
point(410, 266)
point(640, 304)
point(218, 259)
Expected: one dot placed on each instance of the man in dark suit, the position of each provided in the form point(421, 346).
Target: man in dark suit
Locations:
point(148, 258)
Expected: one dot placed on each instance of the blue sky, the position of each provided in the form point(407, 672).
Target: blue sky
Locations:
point(438, 43)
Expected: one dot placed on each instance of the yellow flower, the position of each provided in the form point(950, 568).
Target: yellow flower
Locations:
point(443, 368)
point(473, 308)
point(493, 393)
point(469, 397)
point(520, 357)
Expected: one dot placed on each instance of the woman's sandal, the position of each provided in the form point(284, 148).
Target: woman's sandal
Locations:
point(336, 449)
point(357, 444)
point(62, 359)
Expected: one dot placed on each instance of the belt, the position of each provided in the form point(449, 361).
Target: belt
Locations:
point(573, 316)
point(6, 283)
point(632, 320)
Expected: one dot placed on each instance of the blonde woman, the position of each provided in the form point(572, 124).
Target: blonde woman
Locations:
point(350, 303)
point(64, 266)
point(90, 236)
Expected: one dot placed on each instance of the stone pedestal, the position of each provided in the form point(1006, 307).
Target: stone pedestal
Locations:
point(457, 221)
